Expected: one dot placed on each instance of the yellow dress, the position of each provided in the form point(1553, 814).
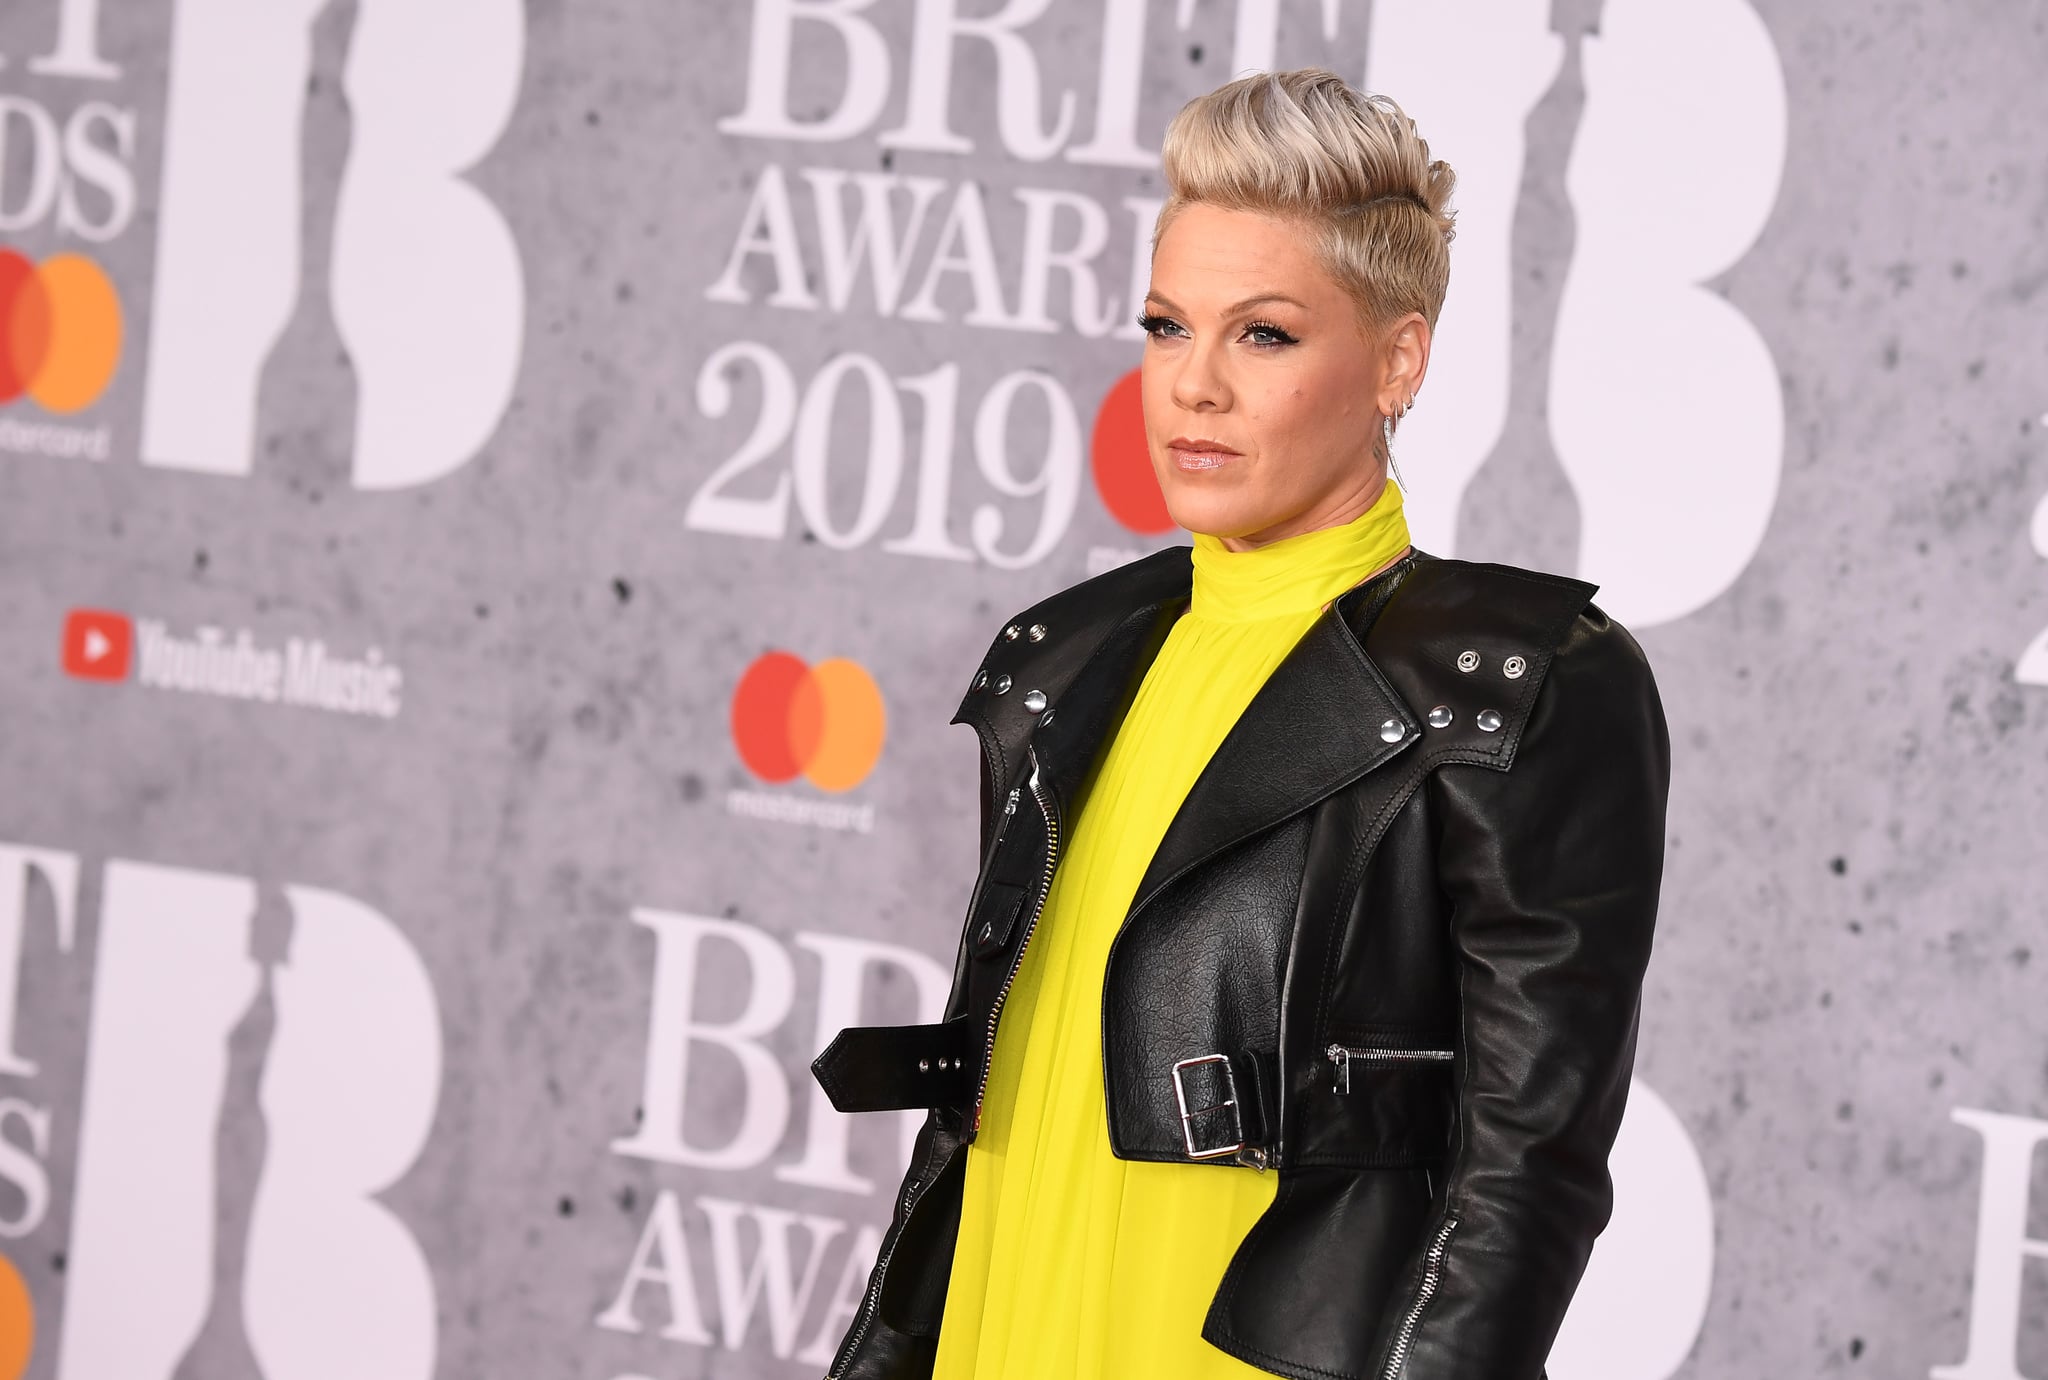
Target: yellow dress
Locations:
point(1073, 1264)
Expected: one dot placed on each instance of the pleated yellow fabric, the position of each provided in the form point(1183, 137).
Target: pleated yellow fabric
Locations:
point(1073, 1264)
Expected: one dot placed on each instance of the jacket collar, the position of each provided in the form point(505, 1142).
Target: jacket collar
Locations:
point(1094, 642)
point(1324, 718)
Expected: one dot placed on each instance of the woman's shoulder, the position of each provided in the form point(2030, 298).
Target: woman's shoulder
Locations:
point(1446, 608)
point(1490, 642)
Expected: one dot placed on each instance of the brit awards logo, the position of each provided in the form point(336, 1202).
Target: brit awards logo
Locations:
point(427, 288)
point(295, 1030)
point(1587, 376)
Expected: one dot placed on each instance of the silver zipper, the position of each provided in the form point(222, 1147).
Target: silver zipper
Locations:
point(1342, 1055)
point(874, 1295)
point(1052, 856)
point(874, 1298)
point(988, 854)
point(1432, 1271)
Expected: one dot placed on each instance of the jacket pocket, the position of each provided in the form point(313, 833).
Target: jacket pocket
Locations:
point(1379, 1099)
point(1342, 1057)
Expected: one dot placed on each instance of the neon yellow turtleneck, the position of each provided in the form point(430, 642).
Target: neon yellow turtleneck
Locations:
point(1070, 1261)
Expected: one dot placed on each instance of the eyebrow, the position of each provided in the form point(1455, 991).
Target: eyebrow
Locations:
point(1236, 308)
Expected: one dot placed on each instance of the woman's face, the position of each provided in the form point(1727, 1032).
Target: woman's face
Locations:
point(1262, 391)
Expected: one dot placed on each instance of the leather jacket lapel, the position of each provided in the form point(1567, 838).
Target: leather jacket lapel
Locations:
point(1324, 718)
point(1084, 649)
point(1095, 702)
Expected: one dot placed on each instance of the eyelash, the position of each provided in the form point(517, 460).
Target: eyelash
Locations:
point(1273, 330)
point(1156, 326)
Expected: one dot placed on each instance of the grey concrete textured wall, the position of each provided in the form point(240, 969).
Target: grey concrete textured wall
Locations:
point(1852, 942)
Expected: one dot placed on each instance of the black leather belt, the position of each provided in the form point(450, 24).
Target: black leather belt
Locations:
point(1228, 1100)
point(890, 1068)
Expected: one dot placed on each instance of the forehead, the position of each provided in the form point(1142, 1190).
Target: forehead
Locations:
point(1211, 256)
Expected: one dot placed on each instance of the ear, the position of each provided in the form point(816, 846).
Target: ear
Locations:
point(1406, 352)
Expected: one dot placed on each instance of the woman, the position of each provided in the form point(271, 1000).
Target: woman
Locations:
point(1294, 1012)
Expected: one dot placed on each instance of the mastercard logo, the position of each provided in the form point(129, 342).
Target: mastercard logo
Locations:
point(824, 722)
point(17, 1322)
point(60, 330)
point(1123, 463)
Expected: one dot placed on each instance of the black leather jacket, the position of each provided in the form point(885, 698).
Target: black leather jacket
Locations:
point(1391, 949)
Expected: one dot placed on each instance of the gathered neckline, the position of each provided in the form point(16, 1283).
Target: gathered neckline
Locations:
point(1297, 574)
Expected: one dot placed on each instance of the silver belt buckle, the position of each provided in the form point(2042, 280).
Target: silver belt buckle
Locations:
point(1187, 1114)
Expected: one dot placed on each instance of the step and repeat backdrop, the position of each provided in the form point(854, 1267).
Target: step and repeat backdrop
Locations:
point(499, 497)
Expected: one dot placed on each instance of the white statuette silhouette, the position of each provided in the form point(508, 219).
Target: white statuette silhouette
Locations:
point(336, 1287)
point(227, 248)
point(333, 1284)
point(1644, 1294)
point(427, 288)
point(1664, 400)
point(1469, 80)
point(428, 291)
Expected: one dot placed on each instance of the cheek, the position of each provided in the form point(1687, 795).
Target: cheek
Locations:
point(1312, 418)
point(1292, 409)
point(1155, 402)
point(1334, 389)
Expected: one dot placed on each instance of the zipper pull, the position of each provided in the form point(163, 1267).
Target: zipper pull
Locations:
point(1003, 824)
point(1340, 1057)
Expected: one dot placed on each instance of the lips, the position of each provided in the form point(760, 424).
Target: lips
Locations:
point(1200, 453)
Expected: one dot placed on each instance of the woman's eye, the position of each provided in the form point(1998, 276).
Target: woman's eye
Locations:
point(1159, 325)
point(1265, 333)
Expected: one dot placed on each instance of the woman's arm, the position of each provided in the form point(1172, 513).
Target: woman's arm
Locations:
point(1553, 869)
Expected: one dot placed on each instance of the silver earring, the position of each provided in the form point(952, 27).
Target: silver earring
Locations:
point(1387, 432)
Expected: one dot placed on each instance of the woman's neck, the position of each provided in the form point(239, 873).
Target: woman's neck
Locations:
point(1333, 511)
point(1299, 573)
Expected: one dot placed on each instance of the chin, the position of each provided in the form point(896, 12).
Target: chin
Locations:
point(1215, 514)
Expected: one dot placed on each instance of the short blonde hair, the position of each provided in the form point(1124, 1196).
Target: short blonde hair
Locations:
point(1305, 144)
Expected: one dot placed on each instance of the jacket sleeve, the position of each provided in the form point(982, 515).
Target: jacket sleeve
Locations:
point(1552, 867)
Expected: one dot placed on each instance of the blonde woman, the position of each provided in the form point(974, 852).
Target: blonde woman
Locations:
point(1295, 1007)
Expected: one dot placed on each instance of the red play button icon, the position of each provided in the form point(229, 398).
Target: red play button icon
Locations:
point(97, 643)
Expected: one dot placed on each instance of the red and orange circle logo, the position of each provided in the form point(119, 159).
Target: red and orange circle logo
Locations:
point(1123, 464)
point(17, 1322)
point(60, 330)
point(825, 722)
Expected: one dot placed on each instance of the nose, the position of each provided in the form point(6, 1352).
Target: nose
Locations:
point(1201, 383)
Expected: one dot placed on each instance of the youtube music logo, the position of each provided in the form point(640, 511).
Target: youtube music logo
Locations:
point(98, 644)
